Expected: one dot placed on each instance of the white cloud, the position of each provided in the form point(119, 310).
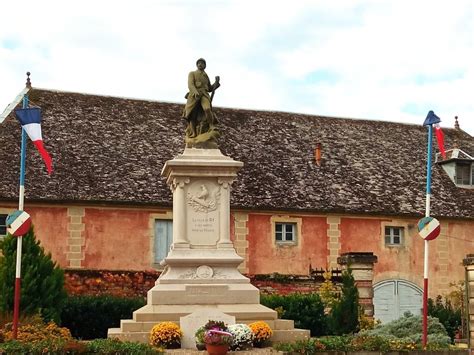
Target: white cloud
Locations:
point(386, 55)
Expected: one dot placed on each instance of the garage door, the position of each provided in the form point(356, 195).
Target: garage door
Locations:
point(392, 298)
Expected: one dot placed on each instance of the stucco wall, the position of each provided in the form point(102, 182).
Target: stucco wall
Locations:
point(51, 229)
point(406, 262)
point(266, 256)
point(123, 239)
point(117, 239)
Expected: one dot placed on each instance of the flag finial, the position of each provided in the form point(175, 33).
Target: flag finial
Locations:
point(431, 118)
point(456, 123)
point(28, 81)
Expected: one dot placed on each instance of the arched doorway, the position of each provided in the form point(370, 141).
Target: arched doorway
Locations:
point(392, 298)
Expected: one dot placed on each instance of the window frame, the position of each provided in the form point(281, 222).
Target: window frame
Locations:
point(391, 235)
point(285, 232)
point(295, 222)
point(470, 174)
point(3, 225)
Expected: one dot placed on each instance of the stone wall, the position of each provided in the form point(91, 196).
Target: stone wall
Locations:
point(468, 263)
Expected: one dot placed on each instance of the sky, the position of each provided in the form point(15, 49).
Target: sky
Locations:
point(390, 60)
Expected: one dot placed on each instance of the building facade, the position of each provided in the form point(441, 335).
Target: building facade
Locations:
point(312, 188)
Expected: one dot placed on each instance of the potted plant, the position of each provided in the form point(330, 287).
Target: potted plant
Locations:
point(242, 336)
point(217, 338)
point(261, 332)
point(166, 335)
point(199, 337)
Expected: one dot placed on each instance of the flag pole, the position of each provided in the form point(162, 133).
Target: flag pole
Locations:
point(427, 214)
point(16, 300)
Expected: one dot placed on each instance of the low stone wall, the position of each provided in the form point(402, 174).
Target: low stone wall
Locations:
point(137, 283)
point(117, 283)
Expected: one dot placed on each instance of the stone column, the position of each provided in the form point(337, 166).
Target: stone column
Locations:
point(362, 266)
point(468, 263)
point(224, 214)
point(179, 213)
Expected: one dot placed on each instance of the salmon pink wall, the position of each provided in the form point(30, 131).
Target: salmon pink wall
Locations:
point(266, 257)
point(406, 262)
point(117, 239)
point(50, 225)
point(365, 235)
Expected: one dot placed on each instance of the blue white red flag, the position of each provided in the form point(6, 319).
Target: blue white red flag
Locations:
point(30, 119)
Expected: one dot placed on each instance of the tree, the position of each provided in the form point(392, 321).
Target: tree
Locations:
point(42, 281)
point(344, 316)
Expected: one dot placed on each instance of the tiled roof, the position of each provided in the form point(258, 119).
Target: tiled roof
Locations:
point(111, 150)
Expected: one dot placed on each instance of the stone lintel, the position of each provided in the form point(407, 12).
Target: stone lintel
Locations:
point(357, 258)
point(469, 260)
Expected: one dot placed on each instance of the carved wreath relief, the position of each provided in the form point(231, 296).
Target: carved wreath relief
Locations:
point(203, 197)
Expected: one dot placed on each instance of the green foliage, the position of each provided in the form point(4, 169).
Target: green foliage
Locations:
point(355, 343)
point(48, 346)
point(447, 315)
point(89, 317)
point(336, 343)
point(344, 315)
point(42, 281)
point(61, 347)
point(307, 310)
point(409, 329)
point(310, 346)
point(370, 343)
point(117, 347)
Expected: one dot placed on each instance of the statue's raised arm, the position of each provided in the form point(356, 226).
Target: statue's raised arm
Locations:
point(201, 130)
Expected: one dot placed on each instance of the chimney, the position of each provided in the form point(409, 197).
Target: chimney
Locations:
point(456, 123)
point(317, 154)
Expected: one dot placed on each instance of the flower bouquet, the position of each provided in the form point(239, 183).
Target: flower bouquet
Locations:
point(166, 335)
point(242, 336)
point(217, 338)
point(261, 332)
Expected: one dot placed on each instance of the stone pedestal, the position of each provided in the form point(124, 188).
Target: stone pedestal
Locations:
point(201, 267)
point(468, 263)
point(362, 266)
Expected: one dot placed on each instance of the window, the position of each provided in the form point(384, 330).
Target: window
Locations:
point(394, 235)
point(285, 232)
point(163, 239)
point(464, 174)
point(3, 224)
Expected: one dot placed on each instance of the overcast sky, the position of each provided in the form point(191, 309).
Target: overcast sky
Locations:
point(379, 60)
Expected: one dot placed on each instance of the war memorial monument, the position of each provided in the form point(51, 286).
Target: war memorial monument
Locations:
point(200, 280)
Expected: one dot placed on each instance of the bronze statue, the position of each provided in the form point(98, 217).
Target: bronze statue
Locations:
point(201, 131)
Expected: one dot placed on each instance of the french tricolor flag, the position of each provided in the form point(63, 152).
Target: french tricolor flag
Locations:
point(30, 119)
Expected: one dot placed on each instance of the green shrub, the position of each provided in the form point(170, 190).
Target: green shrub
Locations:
point(89, 317)
point(409, 329)
point(447, 315)
point(42, 281)
point(344, 315)
point(47, 346)
point(61, 347)
point(307, 310)
point(117, 347)
point(336, 343)
point(310, 346)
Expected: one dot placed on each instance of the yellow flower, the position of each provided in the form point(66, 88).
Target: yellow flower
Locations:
point(165, 334)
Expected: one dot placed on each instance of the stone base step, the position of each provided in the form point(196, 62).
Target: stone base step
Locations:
point(161, 313)
point(279, 336)
point(129, 325)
